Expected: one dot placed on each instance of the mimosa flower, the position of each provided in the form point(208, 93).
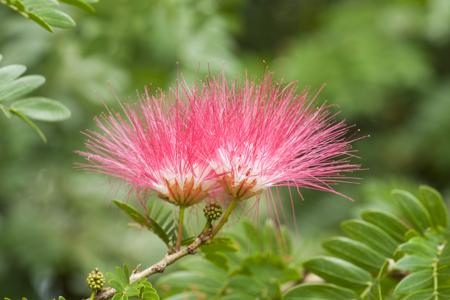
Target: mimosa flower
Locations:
point(265, 135)
point(152, 147)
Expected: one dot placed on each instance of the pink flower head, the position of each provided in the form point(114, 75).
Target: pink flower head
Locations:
point(265, 135)
point(152, 147)
point(221, 139)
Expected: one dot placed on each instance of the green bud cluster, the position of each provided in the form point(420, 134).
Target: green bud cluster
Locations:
point(212, 211)
point(95, 279)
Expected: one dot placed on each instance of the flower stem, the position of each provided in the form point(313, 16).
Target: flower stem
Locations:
point(93, 295)
point(225, 216)
point(180, 227)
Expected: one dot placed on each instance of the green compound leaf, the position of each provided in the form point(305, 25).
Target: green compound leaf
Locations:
point(48, 13)
point(146, 290)
point(413, 263)
point(355, 252)
point(428, 260)
point(413, 210)
point(42, 109)
point(418, 246)
point(80, 4)
point(415, 281)
point(216, 249)
point(434, 203)
point(318, 292)
point(55, 18)
point(386, 222)
point(30, 123)
point(338, 271)
point(11, 72)
point(144, 221)
point(11, 90)
point(371, 235)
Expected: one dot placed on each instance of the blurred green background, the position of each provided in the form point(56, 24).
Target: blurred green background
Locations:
point(385, 64)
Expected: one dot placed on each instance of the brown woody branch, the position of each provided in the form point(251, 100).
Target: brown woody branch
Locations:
point(160, 266)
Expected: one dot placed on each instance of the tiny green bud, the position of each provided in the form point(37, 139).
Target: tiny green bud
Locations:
point(95, 279)
point(212, 211)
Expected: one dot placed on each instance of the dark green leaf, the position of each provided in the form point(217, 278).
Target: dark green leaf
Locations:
point(191, 281)
point(338, 271)
point(354, 252)
point(146, 290)
point(370, 235)
point(246, 286)
point(214, 251)
point(427, 294)
point(415, 281)
point(42, 109)
point(420, 247)
point(386, 222)
point(413, 210)
point(145, 221)
point(268, 268)
point(414, 263)
point(319, 292)
point(435, 205)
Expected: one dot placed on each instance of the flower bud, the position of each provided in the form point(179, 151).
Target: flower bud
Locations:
point(95, 279)
point(212, 211)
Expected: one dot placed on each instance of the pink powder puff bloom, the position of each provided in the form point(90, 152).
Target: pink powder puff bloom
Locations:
point(152, 147)
point(265, 135)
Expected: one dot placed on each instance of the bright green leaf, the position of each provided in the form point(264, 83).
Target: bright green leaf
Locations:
point(20, 87)
point(56, 18)
point(30, 123)
point(40, 21)
point(11, 72)
point(81, 4)
point(42, 109)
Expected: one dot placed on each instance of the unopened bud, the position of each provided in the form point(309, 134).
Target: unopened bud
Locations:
point(95, 279)
point(212, 211)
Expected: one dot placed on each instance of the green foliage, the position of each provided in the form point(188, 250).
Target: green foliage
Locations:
point(14, 88)
point(47, 13)
point(384, 255)
point(144, 220)
point(364, 264)
point(319, 291)
point(158, 218)
point(241, 265)
point(141, 289)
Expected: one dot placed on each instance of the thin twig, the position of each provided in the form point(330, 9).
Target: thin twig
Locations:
point(169, 259)
point(159, 267)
